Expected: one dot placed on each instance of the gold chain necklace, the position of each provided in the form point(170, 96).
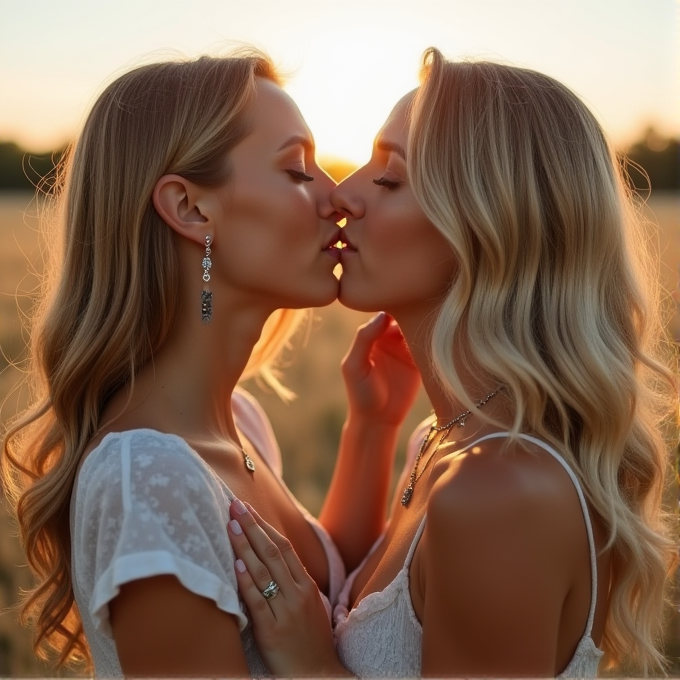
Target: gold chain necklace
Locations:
point(460, 421)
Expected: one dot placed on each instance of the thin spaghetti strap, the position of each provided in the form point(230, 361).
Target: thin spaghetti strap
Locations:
point(584, 508)
point(414, 543)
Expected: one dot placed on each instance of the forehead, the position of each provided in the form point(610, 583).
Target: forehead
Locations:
point(395, 128)
point(274, 117)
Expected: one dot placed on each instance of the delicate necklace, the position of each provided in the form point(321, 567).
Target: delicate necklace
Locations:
point(250, 466)
point(446, 429)
point(248, 461)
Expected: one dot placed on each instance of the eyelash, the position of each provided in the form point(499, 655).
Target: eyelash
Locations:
point(300, 176)
point(386, 183)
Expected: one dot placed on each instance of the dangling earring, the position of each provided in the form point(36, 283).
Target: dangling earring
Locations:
point(206, 295)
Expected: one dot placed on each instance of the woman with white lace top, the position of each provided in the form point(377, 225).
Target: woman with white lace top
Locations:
point(493, 224)
point(195, 220)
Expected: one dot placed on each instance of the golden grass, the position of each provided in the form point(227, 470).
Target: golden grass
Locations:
point(307, 429)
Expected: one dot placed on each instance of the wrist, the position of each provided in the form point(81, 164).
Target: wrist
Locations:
point(368, 425)
point(361, 437)
point(364, 422)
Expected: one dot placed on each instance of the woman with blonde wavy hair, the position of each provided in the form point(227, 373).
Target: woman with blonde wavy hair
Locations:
point(194, 221)
point(492, 222)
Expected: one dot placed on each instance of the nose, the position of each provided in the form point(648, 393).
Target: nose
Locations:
point(323, 185)
point(347, 200)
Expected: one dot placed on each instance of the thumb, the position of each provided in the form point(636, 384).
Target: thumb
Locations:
point(357, 361)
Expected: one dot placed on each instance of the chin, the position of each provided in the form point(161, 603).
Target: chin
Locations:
point(356, 301)
point(323, 300)
point(323, 294)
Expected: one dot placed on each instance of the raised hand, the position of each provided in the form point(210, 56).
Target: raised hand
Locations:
point(381, 382)
point(290, 622)
point(380, 377)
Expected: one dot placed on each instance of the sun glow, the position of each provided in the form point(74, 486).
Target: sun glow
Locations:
point(346, 94)
point(348, 62)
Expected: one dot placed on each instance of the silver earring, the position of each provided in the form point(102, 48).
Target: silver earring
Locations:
point(206, 294)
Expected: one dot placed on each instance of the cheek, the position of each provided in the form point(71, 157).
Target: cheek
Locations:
point(406, 259)
point(268, 222)
point(412, 241)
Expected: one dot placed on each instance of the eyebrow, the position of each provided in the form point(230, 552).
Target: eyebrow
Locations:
point(305, 142)
point(391, 147)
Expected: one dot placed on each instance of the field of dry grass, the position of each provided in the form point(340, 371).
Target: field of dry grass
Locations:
point(307, 429)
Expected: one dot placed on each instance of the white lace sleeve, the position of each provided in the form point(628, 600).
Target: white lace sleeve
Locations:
point(147, 505)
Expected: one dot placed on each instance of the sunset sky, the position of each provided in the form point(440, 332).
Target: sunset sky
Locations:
point(348, 60)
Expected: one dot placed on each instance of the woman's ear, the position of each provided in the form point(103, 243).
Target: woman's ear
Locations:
point(176, 200)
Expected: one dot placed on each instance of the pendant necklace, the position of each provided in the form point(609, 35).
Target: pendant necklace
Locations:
point(250, 466)
point(247, 460)
point(446, 429)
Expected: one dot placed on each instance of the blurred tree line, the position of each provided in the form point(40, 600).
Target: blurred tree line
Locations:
point(658, 158)
point(651, 163)
point(21, 169)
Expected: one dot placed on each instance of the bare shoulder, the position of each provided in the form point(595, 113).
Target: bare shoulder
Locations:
point(514, 486)
point(504, 546)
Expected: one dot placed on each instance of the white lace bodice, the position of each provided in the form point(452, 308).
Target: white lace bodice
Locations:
point(146, 504)
point(382, 636)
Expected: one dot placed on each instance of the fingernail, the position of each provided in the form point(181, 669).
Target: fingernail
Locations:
point(378, 318)
point(235, 527)
point(239, 507)
point(240, 566)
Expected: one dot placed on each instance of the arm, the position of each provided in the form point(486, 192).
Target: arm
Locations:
point(149, 536)
point(381, 382)
point(161, 629)
point(496, 572)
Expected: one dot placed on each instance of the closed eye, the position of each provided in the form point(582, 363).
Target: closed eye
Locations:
point(386, 183)
point(300, 176)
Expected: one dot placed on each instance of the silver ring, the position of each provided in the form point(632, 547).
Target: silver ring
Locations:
point(271, 591)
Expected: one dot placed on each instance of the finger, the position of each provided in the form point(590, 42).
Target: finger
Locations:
point(297, 570)
point(260, 612)
point(393, 343)
point(244, 551)
point(357, 360)
point(260, 554)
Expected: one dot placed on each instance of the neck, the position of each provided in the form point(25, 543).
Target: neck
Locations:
point(417, 332)
point(186, 388)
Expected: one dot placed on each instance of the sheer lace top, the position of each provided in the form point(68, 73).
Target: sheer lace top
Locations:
point(382, 636)
point(146, 504)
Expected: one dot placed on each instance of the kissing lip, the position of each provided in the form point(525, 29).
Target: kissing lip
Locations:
point(347, 245)
point(332, 242)
point(339, 244)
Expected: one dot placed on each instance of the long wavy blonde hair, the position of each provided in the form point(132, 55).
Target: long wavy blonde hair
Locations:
point(555, 297)
point(110, 296)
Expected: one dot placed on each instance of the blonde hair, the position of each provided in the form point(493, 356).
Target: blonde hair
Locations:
point(555, 298)
point(110, 298)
